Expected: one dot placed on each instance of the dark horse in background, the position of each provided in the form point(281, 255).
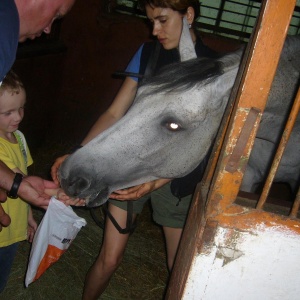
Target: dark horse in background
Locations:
point(173, 122)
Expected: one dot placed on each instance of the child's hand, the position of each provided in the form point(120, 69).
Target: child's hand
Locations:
point(4, 218)
point(74, 202)
point(32, 227)
point(62, 196)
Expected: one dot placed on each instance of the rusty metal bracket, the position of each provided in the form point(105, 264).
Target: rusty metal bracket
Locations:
point(241, 143)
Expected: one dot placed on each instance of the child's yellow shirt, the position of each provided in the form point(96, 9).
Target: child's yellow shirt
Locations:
point(17, 209)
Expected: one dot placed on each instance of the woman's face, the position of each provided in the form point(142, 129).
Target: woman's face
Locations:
point(167, 25)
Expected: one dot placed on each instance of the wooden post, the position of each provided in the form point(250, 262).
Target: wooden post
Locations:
point(260, 63)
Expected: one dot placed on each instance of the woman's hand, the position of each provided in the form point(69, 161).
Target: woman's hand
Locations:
point(55, 167)
point(138, 191)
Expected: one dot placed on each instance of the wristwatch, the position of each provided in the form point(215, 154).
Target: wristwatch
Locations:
point(13, 193)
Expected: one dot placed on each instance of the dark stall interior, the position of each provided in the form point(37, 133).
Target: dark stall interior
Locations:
point(69, 83)
point(69, 75)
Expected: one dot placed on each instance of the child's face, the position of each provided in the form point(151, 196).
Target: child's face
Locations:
point(11, 110)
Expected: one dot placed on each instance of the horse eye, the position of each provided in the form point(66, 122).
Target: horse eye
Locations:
point(172, 126)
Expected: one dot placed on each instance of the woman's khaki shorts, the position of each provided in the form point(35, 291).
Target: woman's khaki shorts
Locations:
point(168, 211)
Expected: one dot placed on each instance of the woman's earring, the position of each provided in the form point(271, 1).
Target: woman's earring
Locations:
point(190, 26)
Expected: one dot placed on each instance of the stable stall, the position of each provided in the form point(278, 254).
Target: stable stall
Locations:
point(238, 245)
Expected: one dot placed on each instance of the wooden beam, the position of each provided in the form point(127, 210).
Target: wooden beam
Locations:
point(256, 76)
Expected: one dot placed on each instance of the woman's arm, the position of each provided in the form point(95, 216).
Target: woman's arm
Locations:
point(116, 111)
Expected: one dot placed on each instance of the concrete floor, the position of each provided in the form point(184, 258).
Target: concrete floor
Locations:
point(142, 275)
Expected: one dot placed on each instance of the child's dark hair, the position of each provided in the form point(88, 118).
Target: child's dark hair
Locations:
point(12, 82)
point(177, 5)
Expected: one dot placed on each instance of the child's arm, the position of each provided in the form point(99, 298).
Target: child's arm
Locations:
point(32, 226)
point(4, 218)
point(60, 195)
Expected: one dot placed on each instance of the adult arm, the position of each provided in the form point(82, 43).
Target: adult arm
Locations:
point(9, 35)
point(31, 188)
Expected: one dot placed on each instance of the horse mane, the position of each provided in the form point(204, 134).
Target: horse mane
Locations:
point(181, 76)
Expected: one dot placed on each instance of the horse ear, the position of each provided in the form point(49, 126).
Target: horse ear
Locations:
point(186, 45)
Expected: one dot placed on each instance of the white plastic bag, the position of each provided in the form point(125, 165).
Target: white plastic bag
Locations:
point(53, 237)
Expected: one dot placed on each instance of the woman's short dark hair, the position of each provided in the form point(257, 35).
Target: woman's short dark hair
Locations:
point(177, 5)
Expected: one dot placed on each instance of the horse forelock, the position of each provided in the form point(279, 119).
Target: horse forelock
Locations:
point(182, 76)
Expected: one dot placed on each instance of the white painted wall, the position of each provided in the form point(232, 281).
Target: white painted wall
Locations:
point(261, 264)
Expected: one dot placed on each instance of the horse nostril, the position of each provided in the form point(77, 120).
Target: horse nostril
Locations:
point(78, 185)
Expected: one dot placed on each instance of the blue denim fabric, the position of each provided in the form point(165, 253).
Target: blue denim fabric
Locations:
point(7, 255)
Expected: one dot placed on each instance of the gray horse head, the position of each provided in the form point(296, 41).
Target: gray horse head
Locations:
point(165, 134)
point(173, 121)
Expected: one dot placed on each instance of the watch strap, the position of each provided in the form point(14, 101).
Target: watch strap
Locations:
point(13, 193)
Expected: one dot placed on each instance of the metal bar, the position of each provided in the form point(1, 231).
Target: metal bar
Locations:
point(221, 30)
point(220, 12)
point(282, 145)
point(295, 208)
point(216, 28)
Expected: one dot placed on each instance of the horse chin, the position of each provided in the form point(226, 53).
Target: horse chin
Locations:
point(97, 199)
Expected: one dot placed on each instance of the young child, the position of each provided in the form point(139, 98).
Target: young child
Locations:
point(15, 154)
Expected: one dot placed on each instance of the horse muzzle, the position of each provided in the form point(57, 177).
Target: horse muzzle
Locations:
point(80, 187)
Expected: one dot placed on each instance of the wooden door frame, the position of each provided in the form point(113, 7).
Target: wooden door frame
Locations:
point(220, 187)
